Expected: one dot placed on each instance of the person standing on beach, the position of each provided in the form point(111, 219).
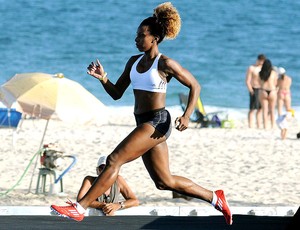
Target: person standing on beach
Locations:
point(268, 92)
point(253, 85)
point(109, 202)
point(149, 74)
point(284, 96)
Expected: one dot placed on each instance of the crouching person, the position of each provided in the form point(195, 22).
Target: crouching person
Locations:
point(109, 202)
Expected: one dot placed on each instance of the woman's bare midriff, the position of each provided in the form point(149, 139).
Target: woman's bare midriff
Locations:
point(148, 101)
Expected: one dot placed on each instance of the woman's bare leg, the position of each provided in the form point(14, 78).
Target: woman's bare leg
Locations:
point(139, 141)
point(156, 161)
point(265, 108)
point(272, 104)
point(288, 102)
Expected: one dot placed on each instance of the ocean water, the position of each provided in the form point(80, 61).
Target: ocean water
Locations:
point(218, 41)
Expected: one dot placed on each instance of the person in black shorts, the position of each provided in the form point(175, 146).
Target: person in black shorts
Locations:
point(254, 100)
point(148, 73)
point(253, 85)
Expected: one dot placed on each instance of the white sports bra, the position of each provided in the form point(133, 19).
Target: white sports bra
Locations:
point(149, 80)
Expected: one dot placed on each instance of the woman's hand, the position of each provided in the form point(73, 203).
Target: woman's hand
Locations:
point(181, 123)
point(96, 70)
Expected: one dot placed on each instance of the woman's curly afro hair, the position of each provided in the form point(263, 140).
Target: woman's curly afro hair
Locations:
point(169, 17)
point(165, 22)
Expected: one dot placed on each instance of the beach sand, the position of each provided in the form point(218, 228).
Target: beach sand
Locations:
point(254, 167)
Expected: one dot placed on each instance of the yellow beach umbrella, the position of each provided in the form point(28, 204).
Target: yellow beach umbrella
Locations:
point(49, 96)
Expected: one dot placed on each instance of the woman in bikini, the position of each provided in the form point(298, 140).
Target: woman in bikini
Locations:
point(268, 92)
point(284, 97)
point(149, 73)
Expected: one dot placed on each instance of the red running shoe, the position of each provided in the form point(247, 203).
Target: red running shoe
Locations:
point(222, 206)
point(68, 211)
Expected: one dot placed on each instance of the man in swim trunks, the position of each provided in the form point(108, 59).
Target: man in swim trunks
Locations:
point(253, 85)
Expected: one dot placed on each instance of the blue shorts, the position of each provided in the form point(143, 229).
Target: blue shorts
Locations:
point(159, 119)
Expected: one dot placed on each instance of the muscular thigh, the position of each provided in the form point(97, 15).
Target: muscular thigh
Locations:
point(138, 142)
point(156, 161)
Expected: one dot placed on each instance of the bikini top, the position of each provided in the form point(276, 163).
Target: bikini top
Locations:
point(149, 80)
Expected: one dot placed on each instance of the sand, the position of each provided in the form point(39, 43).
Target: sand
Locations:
point(253, 166)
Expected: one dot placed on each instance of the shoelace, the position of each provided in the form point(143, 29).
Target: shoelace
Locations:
point(69, 202)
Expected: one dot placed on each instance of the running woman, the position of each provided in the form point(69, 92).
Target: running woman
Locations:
point(149, 74)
